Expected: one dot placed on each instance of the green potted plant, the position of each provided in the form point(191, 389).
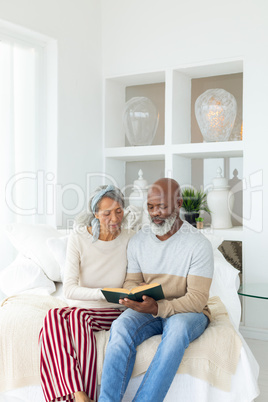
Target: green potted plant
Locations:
point(194, 201)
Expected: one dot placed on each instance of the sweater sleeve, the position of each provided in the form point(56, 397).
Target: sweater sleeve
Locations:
point(134, 275)
point(71, 288)
point(198, 283)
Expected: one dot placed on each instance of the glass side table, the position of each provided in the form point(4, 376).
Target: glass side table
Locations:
point(257, 290)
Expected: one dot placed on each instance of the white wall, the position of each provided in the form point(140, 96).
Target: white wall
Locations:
point(151, 35)
point(76, 25)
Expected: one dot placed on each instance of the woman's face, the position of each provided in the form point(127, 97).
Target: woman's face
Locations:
point(110, 215)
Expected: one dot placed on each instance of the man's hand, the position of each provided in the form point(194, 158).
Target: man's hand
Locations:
point(148, 305)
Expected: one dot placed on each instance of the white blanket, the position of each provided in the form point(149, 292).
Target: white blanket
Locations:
point(213, 357)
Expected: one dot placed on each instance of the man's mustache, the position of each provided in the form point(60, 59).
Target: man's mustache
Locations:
point(158, 219)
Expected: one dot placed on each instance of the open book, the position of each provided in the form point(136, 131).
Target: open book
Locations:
point(153, 290)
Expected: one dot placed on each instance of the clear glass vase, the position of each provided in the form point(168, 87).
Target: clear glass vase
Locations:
point(140, 120)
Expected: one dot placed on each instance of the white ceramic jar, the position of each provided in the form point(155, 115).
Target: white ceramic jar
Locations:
point(138, 196)
point(220, 202)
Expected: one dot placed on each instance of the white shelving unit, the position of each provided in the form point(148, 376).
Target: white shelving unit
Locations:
point(191, 151)
point(148, 153)
point(176, 152)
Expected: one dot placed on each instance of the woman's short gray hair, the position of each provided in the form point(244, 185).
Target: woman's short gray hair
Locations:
point(85, 218)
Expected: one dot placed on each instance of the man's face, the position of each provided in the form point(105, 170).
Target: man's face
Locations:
point(162, 209)
point(159, 206)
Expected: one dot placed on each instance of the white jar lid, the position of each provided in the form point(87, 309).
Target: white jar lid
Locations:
point(141, 182)
point(219, 181)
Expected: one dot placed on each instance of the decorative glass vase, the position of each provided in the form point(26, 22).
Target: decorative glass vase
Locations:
point(215, 112)
point(140, 120)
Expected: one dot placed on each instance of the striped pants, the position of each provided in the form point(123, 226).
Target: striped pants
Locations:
point(68, 355)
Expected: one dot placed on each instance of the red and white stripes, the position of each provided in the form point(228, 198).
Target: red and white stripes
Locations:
point(68, 360)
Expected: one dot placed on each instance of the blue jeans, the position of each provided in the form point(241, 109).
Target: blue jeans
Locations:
point(129, 331)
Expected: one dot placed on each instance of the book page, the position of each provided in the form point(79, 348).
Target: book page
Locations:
point(144, 287)
point(118, 290)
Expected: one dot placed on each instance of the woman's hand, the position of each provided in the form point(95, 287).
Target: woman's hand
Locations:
point(148, 305)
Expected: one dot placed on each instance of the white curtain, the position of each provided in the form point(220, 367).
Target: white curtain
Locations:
point(21, 132)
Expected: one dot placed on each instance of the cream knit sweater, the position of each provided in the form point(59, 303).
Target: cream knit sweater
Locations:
point(91, 266)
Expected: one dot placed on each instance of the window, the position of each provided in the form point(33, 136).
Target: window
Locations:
point(23, 130)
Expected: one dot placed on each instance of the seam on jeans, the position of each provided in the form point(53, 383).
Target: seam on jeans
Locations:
point(124, 378)
point(144, 382)
point(131, 344)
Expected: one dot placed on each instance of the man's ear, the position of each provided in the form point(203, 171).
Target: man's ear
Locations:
point(179, 202)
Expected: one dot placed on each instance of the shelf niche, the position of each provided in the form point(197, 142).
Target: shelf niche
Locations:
point(120, 89)
point(232, 83)
point(152, 171)
point(189, 83)
point(200, 172)
point(156, 93)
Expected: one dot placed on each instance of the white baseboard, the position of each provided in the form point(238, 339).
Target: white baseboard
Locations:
point(254, 333)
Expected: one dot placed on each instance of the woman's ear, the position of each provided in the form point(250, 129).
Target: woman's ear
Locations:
point(96, 215)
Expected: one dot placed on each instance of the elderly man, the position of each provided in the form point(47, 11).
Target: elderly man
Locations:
point(180, 258)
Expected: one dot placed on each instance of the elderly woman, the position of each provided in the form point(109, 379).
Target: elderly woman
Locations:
point(96, 258)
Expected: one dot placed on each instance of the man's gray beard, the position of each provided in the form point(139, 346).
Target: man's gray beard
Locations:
point(161, 230)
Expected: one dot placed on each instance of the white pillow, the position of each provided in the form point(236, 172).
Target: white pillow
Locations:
point(215, 240)
point(58, 247)
point(30, 240)
point(24, 275)
point(225, 283)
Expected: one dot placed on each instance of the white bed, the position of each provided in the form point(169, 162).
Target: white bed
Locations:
point(185, 388)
